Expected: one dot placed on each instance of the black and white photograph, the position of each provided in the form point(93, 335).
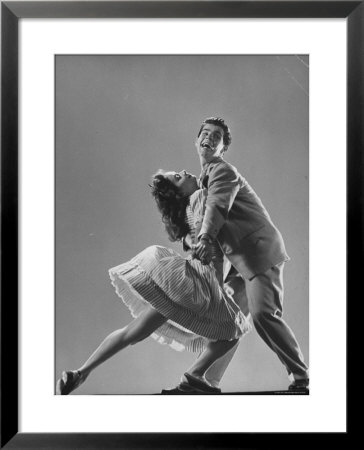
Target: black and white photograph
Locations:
point(181, 224)
point(181, 216)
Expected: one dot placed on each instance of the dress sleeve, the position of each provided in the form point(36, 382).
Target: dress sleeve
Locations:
point(190, 238)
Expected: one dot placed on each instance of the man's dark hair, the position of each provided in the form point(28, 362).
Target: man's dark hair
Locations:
point(220, 123)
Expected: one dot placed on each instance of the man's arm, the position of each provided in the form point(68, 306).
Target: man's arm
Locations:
point(223, 184)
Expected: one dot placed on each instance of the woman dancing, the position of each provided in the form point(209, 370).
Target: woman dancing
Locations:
point(177, 301)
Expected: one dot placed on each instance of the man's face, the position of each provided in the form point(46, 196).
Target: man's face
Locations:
point(209, 143)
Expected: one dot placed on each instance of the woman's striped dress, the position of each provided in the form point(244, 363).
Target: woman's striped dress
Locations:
point(186, 292)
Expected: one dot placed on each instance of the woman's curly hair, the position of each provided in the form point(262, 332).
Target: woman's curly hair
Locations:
point(171, 205)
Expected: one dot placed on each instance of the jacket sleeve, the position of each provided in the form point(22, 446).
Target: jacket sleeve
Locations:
point(224, 183)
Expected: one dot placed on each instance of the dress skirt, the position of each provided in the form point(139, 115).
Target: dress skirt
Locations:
point(183, 290)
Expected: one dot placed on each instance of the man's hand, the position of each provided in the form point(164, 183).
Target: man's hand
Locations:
point(203, 250)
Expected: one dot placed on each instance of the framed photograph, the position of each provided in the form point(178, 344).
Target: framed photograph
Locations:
point(96, 98)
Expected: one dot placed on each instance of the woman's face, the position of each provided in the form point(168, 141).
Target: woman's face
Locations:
point(184, 181)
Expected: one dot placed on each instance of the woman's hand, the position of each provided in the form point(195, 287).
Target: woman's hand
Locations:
point(203, 251)
point(187, 243)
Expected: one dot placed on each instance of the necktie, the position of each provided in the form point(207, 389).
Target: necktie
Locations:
point(202, 177)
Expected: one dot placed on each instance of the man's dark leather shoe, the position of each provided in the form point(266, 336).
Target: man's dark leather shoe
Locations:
point(199, 385)
point(299, 385)
point(174, 391)
point(182, 389)
point(191, 387)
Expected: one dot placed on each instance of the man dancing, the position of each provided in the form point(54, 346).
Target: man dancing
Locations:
point(254, 247)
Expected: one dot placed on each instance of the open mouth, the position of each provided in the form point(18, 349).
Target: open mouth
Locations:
point(206, 145)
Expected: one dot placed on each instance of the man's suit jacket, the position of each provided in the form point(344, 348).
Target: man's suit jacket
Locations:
point(236, 217)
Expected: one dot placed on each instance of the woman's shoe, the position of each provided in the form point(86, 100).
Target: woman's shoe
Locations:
point(69, 382)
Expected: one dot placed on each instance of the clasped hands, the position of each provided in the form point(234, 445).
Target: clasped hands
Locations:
point(203, 251)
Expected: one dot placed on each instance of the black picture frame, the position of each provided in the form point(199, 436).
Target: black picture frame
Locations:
point(11, 13)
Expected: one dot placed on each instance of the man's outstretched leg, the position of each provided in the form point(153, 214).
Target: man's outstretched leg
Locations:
point(265, 296)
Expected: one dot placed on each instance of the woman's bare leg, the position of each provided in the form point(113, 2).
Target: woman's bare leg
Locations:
point(134, 332)
point(137, 330)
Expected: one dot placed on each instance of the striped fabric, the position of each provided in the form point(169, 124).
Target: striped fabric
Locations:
point(183, 290)
point(194, 215)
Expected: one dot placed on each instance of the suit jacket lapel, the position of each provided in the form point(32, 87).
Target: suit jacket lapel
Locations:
point(203, 176)
point(205, 172)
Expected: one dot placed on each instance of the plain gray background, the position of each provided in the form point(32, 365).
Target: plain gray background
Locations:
point(118, 120)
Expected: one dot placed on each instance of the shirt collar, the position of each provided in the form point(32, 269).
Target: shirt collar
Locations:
point(213, 160)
